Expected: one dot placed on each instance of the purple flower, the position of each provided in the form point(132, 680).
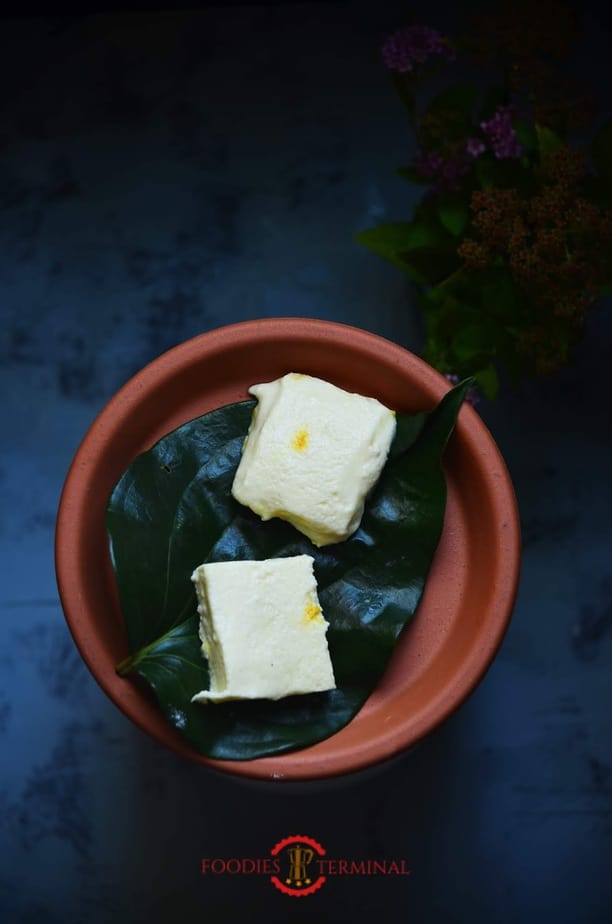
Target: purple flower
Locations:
point(405, 49)
point(444, 173)
point(501, 134)
point(449, 175)
point(472, 397)
point(429, 164)
point(474, 147)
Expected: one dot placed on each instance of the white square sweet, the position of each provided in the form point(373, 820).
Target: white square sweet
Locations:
point(262, 629)
point(312, 454)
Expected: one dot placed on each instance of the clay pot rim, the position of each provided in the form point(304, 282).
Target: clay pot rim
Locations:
point(335, 759)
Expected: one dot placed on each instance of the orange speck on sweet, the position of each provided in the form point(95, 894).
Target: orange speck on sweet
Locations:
point(300, 440)
point(312, 613)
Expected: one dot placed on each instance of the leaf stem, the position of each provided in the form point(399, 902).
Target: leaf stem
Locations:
point(124, 667)
point(128, 664)
point(449, 280)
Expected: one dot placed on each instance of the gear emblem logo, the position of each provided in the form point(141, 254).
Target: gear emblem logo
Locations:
point(298, 875)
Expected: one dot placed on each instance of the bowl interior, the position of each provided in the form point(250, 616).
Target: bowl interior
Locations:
point(470, 589)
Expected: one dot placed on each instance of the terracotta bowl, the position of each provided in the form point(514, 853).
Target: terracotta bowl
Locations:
point(471, 587)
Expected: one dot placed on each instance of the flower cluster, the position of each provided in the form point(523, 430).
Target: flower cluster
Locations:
point(475, 147)
point(444, 172)
point(501, 135)
point(555, 244)
point(445, 163)
point(514, 225)
point(405, 50)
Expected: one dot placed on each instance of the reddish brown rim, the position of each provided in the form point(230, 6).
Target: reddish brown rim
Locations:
point(373, 735)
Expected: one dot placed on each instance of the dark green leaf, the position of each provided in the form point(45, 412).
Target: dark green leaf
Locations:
point(487, 171)
point(431, 265)
point(412, 175)
point(601, 150)
point(458, 98)
point(379, 246)
point(454, 214)
point(548, 140)
point(422, 248)
point(488, 381)
point(507, 173)
point(146, 501)
point(472, 341)
point(390, 240)
point(526, 133)
point(172, 510)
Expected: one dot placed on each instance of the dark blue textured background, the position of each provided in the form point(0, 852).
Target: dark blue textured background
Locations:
point(167, 173)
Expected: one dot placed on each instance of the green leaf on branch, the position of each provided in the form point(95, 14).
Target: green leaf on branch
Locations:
point(525, 133)
point(422, 248)
point(548, 140)
point(471, 342)
point(454, 214)
point(173, 510)
point(487, 381)
point(388, 241)
point(396, 236)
